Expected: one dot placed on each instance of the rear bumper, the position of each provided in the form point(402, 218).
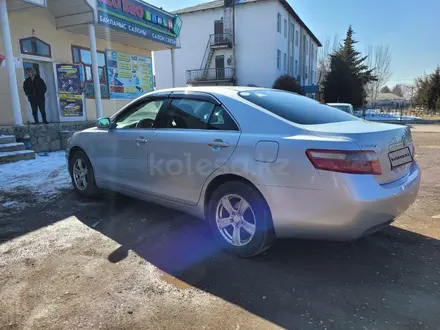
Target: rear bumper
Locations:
point(351, 206)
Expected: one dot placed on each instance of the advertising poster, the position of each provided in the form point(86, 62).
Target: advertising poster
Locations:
point(129, 75)
point(69, 90)
point(141, 19)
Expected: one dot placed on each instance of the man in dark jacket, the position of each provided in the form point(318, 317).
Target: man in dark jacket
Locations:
point(35, 88)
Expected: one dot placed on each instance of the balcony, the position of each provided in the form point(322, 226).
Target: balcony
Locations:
point(222, 40)
point(210, 76)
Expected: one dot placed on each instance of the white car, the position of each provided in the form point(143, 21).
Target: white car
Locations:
point(347, 107)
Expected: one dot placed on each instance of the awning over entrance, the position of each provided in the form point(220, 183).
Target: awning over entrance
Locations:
point(66, 12)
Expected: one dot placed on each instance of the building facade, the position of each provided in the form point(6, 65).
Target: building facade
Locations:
point(250, 43)
point(94, 55)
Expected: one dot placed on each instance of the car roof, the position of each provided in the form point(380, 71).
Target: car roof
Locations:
point(208, 89)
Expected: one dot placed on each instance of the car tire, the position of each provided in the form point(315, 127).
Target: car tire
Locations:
point(237, 237)
point(82, 175)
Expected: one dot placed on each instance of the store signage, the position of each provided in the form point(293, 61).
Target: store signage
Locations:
point(139, 18)
point(310, 89)
point(129, 75)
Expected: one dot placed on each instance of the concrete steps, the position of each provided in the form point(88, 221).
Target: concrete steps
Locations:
point(4, 139)
point(13, 151)
point(16, 146)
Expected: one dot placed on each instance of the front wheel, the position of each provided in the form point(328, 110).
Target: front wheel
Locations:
point(240, 219)
point(81, 172)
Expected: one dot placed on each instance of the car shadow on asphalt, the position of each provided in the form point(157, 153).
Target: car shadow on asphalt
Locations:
point(292, 282)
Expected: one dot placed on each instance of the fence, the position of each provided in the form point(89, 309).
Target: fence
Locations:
point(397, 113)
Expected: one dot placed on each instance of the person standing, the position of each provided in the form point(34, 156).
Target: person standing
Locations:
point(35, 89)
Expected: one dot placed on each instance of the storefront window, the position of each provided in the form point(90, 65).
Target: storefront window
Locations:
point(34, 46)
point(81, 55)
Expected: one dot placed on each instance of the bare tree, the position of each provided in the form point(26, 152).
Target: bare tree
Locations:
point(379, 59)
point(329, 47)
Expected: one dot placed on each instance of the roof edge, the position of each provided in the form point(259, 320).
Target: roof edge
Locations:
point(285, 4)
point(289, 8)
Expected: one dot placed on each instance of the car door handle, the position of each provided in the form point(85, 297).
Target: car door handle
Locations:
point(141, 141)
point(218, 144)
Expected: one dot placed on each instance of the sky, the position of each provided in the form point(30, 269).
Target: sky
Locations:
point(410, 28)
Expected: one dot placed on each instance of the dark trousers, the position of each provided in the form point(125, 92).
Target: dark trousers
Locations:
point(36, 104)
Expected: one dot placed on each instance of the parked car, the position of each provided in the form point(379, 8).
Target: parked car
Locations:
point(257, 164)
point(346, 107)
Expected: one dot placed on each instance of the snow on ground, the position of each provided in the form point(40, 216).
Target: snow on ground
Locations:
point(373, 115)
point(42, 178)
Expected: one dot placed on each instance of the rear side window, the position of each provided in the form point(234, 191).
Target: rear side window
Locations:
point(345, 108)
point(295, 108)
point(221, 120)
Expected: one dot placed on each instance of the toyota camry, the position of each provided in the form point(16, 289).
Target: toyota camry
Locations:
point(257, 164)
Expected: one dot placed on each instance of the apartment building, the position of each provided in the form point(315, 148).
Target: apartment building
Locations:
point(249, 42)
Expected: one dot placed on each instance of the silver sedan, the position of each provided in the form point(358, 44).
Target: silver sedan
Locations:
point(257, 164)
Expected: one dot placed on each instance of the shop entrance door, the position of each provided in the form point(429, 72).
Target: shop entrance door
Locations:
point(45, 70)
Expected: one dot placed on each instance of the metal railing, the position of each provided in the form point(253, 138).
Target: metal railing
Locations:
point(221, 39)
point(203, 75)
point(395, 114)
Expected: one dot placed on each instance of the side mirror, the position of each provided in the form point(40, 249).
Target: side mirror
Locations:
point(104, 122)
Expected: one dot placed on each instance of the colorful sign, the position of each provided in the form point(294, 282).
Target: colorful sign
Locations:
point(139, 18)
point(129, 75)
point(69, 90)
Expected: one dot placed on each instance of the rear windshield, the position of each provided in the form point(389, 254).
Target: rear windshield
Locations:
point(296, 108)
point(341, 107)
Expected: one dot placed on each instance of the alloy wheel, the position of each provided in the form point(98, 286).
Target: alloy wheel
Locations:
point(80, 174)
point(235, 220)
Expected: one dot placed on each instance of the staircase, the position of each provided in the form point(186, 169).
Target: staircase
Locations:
point(206, 74)
point(207, 63)
point(13, 151)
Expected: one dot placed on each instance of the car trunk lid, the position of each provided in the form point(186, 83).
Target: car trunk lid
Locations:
point(392, 143)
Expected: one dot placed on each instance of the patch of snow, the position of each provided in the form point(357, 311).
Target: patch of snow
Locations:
point(19, 152)
point(42, 177)
point(14, 144)
point(373, 115)
point(9, 203)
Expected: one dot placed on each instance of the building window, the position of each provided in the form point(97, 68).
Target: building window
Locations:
point(292, 29)
point(296, 38)
point(285, 28)
point(35, 46)
point(279, 23)
point(285, 62)
point(291, 65)
point(83, 56)
point(296, 67)
point(278, 59)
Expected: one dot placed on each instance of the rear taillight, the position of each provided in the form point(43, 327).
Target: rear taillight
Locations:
point(345, 161)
